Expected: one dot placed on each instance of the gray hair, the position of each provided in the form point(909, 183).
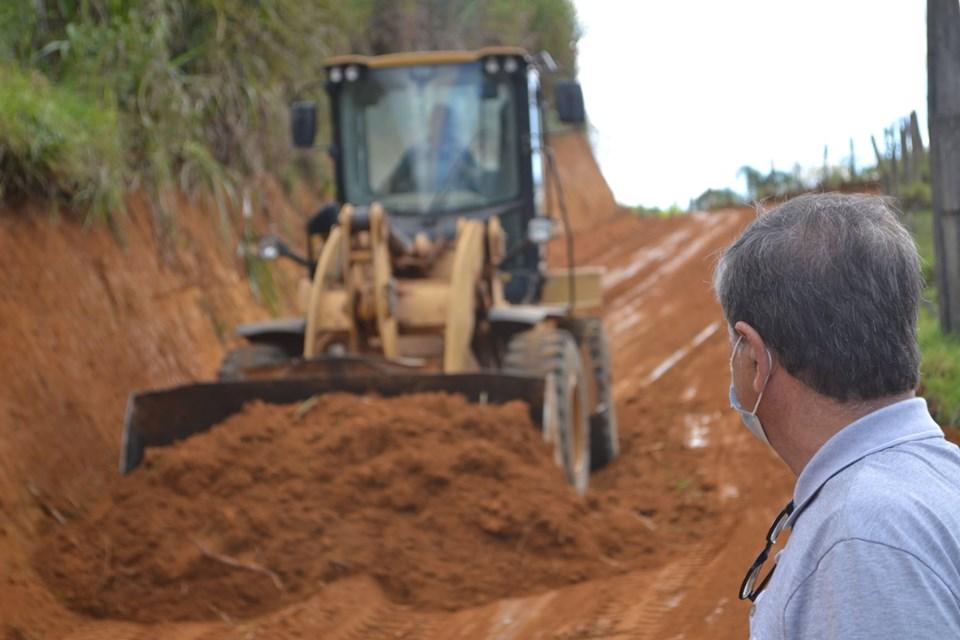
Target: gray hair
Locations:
point(832, 283)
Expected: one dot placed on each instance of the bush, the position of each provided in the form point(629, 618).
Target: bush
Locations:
point(194, 93)
point(716, 199)
point(58, 143)
point(916, 196)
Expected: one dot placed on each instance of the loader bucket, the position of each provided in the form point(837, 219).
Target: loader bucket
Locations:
point(159, 418)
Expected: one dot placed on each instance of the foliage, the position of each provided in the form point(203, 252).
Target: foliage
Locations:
point(939, 369)
point(940, 362)
point(647, 212)
point(775, 183)
point(403, 25)
point(916, 196)
point(716, 199)
point(903, 164)
point(921, 226)
point(56, 142)
point(194, 93)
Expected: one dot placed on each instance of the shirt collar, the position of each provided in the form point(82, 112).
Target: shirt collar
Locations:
point(884, 428)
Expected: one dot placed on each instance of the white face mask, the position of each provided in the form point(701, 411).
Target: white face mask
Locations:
point(749, 418)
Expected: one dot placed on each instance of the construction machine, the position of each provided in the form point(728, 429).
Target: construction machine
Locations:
point(429, 272)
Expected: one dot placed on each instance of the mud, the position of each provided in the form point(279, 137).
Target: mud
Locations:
point(444, 504)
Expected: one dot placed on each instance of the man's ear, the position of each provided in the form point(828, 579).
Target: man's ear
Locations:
point(757, 351)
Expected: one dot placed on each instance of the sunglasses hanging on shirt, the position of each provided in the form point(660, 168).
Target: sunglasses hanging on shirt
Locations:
point(747, 590)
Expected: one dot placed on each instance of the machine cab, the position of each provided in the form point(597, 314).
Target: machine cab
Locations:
point(438, 136)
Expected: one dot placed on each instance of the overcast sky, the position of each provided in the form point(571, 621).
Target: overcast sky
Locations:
point(682, 94)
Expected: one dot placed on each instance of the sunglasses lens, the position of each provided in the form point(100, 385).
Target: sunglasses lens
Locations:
point(746, 589)
point(778, 526)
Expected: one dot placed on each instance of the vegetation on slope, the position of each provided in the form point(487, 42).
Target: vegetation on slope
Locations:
point(98, 97)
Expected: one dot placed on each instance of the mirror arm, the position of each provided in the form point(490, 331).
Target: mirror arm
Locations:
point(290, 255)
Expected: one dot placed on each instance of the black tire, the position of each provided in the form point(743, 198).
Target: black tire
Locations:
point(253, 356)
point(604, 436)
point(553, 353)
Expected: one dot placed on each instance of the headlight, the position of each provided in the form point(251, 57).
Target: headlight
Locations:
point(539, 230)
point(510, 65)
point(351, 73)
point(491, 66)
point(336, 74)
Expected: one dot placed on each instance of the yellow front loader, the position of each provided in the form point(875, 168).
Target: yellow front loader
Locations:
point(428, 273)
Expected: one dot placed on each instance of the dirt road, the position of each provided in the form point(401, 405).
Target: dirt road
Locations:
point(700, 490)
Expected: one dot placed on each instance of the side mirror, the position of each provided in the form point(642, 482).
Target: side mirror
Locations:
point(545, 62)
point(303, 124)
point(569, 100)
point(271, 248)
point(539, 230)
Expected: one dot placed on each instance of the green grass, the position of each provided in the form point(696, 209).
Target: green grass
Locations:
point(939, 369)
point(58, 143)
point(940, 354)
point(921, 226)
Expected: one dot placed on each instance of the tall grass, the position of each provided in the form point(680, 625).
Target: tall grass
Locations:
point(58, 143)
point(940, 353)
point(103, 96)
point(939, 369)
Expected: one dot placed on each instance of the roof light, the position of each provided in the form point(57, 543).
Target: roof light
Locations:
point(336, 74)
point(351, 73)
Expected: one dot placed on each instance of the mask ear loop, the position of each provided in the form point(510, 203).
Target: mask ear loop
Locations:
point(765, 381)
point(733, 353)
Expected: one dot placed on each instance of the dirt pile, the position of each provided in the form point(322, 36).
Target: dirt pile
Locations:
point(446, 504)
point(90, 314)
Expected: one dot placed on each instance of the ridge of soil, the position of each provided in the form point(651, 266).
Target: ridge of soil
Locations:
point(446, 504)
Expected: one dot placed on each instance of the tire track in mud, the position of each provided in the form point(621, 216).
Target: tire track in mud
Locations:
point(388, 622)
point(131, 631)
point(646, 619)
point(651, 265)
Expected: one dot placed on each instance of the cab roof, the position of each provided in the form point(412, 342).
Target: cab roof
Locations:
point(415, 58)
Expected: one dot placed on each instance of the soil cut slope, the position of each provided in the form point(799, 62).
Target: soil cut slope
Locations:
point(587, 195)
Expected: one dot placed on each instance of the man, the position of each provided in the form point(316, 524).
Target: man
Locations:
point(821, 296)
point(439, 163)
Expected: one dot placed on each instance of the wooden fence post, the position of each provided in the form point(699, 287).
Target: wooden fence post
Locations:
point(825, 178)
point(943, 102)
point(890, 138)
point(916, 146)
point(907, 156)
point(881, 166)
point(853, 162)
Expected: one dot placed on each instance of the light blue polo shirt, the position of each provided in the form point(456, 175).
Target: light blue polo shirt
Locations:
point(874, 550)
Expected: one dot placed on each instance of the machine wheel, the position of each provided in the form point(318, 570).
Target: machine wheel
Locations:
point(251, 356)
point(553, 353)
point(604, 437)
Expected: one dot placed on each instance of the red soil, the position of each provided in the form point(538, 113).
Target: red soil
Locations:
point(445, 504)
